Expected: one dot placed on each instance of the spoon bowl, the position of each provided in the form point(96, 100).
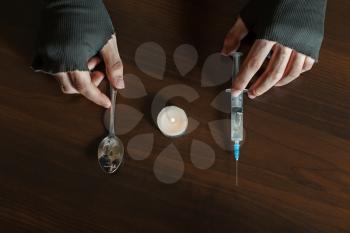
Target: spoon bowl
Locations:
point(110, 154)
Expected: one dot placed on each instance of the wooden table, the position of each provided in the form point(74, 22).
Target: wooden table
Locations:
point(295, 165)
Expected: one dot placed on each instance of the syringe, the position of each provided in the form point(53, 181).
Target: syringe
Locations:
point(236, 114)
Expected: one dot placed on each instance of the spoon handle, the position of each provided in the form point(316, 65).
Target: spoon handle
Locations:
point(113, 95)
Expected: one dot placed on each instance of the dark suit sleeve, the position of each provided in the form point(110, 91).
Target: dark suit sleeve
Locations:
point(298, 24)
point(71, 32)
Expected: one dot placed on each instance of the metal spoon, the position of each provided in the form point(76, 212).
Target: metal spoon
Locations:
point(111, 150)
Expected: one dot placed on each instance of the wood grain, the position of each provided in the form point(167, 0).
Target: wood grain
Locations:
point(294, 170)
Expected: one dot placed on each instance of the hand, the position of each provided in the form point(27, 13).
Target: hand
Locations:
point(284, 66)
point(86, 83)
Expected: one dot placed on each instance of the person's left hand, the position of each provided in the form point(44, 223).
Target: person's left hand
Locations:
point(284, 66)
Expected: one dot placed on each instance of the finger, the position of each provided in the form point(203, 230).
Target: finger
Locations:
point(93, 62)
point(82, 82)
point(234, 36)
point(309, 62)
point(65, 83)
point(97, 77)
point(290, 64)
point(274, 71)
point(252, 64)
point(114, 65)
point(293, 69)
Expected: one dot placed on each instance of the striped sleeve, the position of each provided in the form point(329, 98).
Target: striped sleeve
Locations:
point(297, 24)
point(71, 32)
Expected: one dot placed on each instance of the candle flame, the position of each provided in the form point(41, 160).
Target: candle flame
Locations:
point(172, 119)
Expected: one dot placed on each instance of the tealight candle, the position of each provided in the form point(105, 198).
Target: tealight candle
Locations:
point(172, 121)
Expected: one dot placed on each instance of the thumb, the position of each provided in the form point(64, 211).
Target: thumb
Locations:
point(234, 36)
point(113, 62)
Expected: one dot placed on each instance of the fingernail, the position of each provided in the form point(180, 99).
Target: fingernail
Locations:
point(236, 93)
point(120, 84)
point(251, 96)
point(278, 84)
point(108, 105)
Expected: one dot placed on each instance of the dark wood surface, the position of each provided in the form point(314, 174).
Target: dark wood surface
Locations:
point(295, 165)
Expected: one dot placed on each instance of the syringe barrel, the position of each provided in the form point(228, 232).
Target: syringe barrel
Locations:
point(236, 104)
point(237, 118)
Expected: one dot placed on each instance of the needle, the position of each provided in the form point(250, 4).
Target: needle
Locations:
point(236, 172)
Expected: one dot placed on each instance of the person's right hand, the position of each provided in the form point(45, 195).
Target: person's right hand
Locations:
point(87, 82)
